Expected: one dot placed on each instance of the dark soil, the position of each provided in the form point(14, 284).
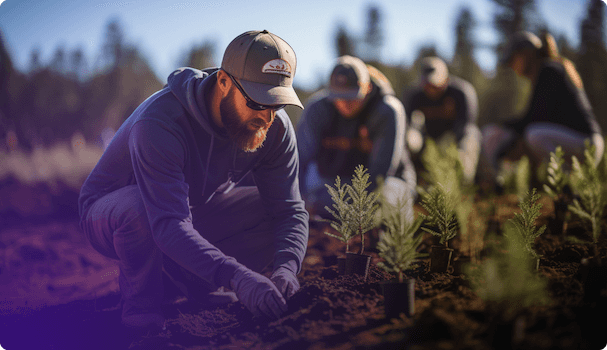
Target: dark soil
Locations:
point(57, 293)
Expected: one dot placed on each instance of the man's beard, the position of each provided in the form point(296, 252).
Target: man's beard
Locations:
point(246, 139)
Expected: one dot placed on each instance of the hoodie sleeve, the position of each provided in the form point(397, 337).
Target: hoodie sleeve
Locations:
point(467, 109)
point(387, 131)
point(309, 133)
point(158, 168)
point(278, 184)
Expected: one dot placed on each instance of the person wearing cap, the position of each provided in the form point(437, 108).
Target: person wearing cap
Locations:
point(356, 120)
point(558, 113)
point(203, 176)
point(444, 108)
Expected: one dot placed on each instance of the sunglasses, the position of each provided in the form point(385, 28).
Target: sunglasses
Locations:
point(250, 103)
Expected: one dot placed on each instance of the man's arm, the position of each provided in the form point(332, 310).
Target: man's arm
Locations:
point(159, 175)
point(467, 110)
point(277, 179)
point(309, 128)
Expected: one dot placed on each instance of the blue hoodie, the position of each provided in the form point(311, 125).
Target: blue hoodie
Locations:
point(173, 151)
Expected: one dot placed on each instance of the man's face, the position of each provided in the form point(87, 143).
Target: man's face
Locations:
point(348, 108)
point(434, 92)
point(248, 128)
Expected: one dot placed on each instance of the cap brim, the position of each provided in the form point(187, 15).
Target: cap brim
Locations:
point(270, 94)
point(345, 95)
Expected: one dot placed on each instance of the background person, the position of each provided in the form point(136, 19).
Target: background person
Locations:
point(168, 185)
point(559, 112)
point(355, 120)
point(444, 108)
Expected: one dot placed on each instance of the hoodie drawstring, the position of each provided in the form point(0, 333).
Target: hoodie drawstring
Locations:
point(206, 173)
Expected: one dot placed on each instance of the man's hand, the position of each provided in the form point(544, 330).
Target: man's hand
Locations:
point(285, 281)
point(258, 293)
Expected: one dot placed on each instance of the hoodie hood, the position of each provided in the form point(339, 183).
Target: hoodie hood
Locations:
point(190, 85)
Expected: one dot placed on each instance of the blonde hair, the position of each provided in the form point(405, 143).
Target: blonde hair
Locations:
point(549, 50)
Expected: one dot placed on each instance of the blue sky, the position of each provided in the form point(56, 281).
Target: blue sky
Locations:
point(164, 30)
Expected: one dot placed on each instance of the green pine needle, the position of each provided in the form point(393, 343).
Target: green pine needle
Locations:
point(524, 222)
point(354, 207)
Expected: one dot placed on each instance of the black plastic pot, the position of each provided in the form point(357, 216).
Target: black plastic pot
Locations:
point(440, 258)
point(399, 297)
point(357, 264)
point(594, 279)
point(506, 335)
point(341, 265)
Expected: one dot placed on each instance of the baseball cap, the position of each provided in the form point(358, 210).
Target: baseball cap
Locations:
point(264, 65)
point(348, 79)
point(434, 71)
point(520, 41)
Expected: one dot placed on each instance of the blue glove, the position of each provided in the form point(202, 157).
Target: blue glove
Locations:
point(285, 281)
point(258, 293)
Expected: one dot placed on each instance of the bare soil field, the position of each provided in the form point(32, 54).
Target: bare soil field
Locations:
point(58, 293)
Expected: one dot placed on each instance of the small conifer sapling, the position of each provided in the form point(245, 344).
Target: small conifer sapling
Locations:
point(591, 189)
point(354, 208)
point(440, 205)
point(398, 244)
point(524, 222)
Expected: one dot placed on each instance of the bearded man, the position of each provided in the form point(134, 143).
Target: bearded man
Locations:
point(201, 182)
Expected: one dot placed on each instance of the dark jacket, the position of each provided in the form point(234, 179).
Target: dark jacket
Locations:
point(176, 155)
point(334, 142)
point(456, 108)
point(557, 100)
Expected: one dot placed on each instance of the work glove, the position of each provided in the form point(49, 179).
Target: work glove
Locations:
point(285, 281)
point(258, 293)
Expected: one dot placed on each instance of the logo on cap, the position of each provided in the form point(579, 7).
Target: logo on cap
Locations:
point(277, 66)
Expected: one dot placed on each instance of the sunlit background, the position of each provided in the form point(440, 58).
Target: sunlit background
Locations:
point(164, 31)
point(72, 71)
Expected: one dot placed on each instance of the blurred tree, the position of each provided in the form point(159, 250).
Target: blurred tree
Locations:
point(35, 64)
point(6, 70)
point(592, 59)
point(463, 63)
point(200, 56)
point(374, 37)
point(58, 62)
point(77, 66)
point(113, 46)
point(515, 15)
point(508, 95)
point(344, 44)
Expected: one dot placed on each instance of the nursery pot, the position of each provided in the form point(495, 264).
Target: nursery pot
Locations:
point(440, 258)
point(341, 265)
point(399, 297)
point(594, 280)
point(507, 334)
point(357, 264)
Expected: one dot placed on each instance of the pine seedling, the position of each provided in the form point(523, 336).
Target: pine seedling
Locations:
point(524, 222)
point(506, 280)
point(443, 166)
point(341, 211)
point(398, 244)
point(364, 205)
point(556, 174)
point(440, 205)
point(354, 208)
point(588, 185)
